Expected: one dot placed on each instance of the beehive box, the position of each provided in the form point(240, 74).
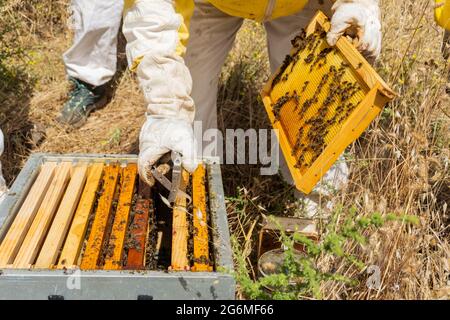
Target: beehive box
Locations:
point(85, 227)
point(321, 100)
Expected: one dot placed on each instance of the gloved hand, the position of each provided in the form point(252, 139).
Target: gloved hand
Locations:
point(3, 187)
point(160, 135)
point(361, 19)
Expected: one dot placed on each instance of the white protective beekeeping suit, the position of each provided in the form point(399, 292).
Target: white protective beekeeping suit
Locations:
point(93, 55)
point(3, 187)
point(172, 85)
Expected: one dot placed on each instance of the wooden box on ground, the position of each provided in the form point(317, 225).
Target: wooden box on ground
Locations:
point(270, 233)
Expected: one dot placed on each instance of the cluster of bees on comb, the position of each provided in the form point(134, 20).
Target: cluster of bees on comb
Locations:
point(339, 102)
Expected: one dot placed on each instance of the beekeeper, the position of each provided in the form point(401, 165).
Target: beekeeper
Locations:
point(442, 13)
point(178, 48)
point(91, 61)
point(3, 187)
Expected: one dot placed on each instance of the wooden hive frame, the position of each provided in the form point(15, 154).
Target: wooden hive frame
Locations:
point(377, 94)
point(63, 218)
point(43, 219)
point(74, 240)
point(120, 225)
point(22, 222)
point(200, 221)
point(97, 235)
point(180, 229)
point(144, 204)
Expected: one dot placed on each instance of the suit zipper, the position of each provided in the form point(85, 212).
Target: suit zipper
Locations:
point(269, 9)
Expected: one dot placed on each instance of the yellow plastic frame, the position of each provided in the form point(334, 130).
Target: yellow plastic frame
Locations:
point(377, 94)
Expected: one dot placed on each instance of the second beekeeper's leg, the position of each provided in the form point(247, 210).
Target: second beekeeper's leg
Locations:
point(93, 55)
point(91, 61)
point(279, 35)
point(212, 34)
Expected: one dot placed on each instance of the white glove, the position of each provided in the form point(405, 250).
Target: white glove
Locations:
point(160, 135)
point(359, 18)
point(3, 187)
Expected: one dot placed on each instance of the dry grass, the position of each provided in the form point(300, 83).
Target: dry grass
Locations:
point(400, 165)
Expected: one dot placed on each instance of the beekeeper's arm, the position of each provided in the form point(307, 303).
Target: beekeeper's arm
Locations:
point(359, 18)
point(156, 37)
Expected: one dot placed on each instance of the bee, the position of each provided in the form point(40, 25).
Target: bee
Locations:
point(276, 108)
point(305, 86)
point(299, 39)
point(313, 42)
point(309, 58)
point(295, 96)
point(306, 105)
point(300, 161)
point(286, 62)
point(294, 62)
